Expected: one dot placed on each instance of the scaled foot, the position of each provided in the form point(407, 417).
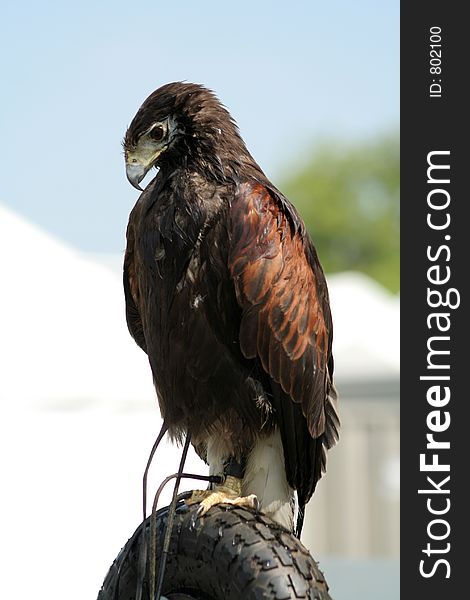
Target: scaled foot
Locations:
point(228, 492)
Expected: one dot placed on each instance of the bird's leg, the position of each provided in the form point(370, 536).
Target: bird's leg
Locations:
point(227, 492)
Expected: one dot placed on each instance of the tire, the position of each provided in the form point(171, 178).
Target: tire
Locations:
point(228, 554)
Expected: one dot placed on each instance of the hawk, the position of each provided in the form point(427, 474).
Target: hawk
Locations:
point(225, 293)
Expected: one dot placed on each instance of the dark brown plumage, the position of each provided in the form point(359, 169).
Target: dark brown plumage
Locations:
point(224, 290)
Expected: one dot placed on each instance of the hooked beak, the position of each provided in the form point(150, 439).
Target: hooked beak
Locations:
point(135, 173)
point(140, 160)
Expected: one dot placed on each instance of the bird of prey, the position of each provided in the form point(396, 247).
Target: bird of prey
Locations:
point(225, 293)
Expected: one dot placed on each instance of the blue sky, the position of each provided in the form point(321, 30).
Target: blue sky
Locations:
point(74, 74)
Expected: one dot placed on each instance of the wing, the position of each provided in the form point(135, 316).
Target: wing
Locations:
point(286, 325)
point(131, 292)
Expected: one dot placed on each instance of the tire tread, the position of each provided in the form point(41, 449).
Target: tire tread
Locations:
point(230, 553)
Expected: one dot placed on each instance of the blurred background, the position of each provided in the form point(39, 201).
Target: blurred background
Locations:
point(314, 88)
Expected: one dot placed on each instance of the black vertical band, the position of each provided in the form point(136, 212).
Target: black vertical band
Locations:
point(434, 295)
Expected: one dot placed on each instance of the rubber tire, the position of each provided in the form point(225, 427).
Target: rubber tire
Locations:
point(230, 553)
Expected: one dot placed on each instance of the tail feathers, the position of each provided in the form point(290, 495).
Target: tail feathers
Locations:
point(332, 418)
point(300, 521)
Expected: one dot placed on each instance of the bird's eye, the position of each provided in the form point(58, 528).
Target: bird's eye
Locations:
point(157, 133)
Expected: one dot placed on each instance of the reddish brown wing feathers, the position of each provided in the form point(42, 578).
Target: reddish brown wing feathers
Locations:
point(283, 299)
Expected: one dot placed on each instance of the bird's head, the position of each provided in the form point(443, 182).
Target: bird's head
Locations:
point(180, 124)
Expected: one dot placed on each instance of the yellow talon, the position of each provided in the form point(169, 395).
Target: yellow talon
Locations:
point(228, 492)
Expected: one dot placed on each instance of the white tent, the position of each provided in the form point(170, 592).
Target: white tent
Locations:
point(366, 336)
point(79, 414)
point(62, 327)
